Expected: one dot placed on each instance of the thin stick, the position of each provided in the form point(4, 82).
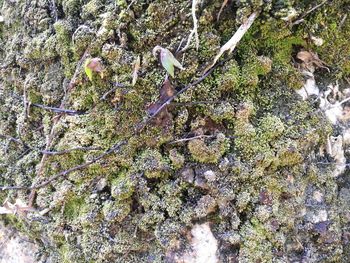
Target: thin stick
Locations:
point(58, 110)
point(342, 21)
point(224, 3)
point(192, 138)
point(57, 118)
point(117, 85)
point(65, 172)
point(301, 19)
point(71, 150)
point(330, 163)
point(199, 102)
point(12, 139)
point(25, 102)
point(19, 141)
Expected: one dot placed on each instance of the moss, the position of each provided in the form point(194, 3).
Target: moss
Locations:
point(326, 26)
point(153, 164)
point(63, 39)
point(167, 233)
point(220, 112)
point(71, 7)
point(205, 205)
point(91, 9)
point(73, 206)
point(116, 211)
point(70, 254)
point(230, 78)
point(149, 219)
point(209, 153)
point(271, 127)
point(143, 213)
point(122, 187)
point(176, 158)
point(289, 156)
point(256, 246)
point(171, 197)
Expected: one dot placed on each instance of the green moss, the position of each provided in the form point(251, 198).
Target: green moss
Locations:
point(289, 156)
point(176, 158)
point(209, 153)
point(63, 39)
point(116, 211)
point(71, 7)
point(271, 127)
point(220, 112)
point(143, 215)
point(167, 233)
point(153, 164)
point(230, 78)
point(335, 49)
point(73, 207)
point(122, 187)
point(256, 245)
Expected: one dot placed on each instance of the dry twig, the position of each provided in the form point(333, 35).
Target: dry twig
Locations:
point(141, 125)
point(192, 138)
point(57, 110)
point(301, 19)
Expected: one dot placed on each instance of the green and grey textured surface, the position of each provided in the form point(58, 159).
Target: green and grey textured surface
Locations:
point(261, 180)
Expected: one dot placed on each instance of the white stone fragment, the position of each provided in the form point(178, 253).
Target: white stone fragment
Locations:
point(309, 88)
point(317, 40)
point(319, 216)
point(204, 246)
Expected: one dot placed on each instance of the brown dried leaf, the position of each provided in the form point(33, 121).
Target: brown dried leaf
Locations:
point(305, 56)
point(163, 118)
point(166, 91)
point(310, 60)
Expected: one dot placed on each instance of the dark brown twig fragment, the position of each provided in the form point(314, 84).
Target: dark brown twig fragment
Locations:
point(301, 18)
point(57, 110)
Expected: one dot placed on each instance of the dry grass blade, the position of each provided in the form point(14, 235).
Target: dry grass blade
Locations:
point(137, 67)
point(232, 43)
point(194, 30)
point(224, 3)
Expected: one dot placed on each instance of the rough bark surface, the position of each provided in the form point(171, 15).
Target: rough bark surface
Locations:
point(264, 177)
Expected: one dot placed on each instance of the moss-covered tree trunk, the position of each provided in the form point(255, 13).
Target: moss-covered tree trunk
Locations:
point(238, 168)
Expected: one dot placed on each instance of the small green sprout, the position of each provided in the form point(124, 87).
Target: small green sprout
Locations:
point(167, 59)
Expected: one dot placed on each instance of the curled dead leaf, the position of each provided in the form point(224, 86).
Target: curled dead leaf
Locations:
point(166, 91)
point(310, 60)
point(163, 117)
point(305, 56)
